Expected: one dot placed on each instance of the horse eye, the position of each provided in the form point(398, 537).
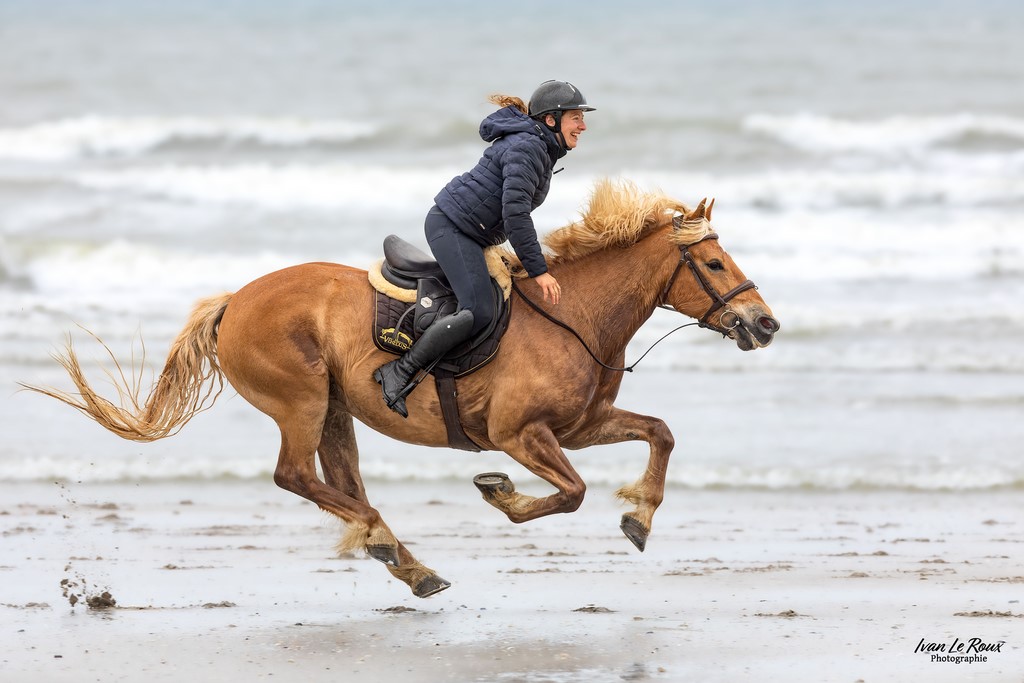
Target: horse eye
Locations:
point(715, 264)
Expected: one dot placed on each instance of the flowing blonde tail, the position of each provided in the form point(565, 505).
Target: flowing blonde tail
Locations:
point(189, 384)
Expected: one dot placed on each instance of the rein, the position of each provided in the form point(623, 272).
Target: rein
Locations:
point(718, 301)
point(574, 333)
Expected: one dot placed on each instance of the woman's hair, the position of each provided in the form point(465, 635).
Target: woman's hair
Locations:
point(508, 101)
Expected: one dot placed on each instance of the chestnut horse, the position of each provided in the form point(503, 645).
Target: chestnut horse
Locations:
point(296, 344)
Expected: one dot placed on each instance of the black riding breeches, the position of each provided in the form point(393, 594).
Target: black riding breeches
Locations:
point(463, 263)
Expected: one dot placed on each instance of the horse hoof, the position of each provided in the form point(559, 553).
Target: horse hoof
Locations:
point(634, 531)
point(491, 483)
point(384, 553)
point(431, 585)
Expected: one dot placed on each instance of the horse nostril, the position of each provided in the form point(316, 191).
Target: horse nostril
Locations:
point(768, 324)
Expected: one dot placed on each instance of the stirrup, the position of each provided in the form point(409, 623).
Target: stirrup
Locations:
point(402, 393)
point(415, 380)
point(396, 403)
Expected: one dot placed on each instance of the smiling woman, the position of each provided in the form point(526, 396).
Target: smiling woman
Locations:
point(491, 202)
point(571, 127)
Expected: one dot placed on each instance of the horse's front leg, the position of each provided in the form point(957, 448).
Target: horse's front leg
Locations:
point(535, 448)
point(649, 490)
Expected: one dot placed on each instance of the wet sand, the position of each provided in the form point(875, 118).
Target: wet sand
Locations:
point(233, 580)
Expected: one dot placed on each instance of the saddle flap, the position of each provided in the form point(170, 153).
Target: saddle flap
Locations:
point(434, 299)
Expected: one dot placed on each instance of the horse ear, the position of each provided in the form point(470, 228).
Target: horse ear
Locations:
point(707, 214)
point(697, 213)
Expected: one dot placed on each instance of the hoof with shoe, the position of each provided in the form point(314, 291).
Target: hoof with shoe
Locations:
point(634, 531)
point(384, 553)
point(431, 585)
point(491, 483)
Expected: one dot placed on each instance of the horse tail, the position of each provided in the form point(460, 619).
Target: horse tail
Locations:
point(189, 384)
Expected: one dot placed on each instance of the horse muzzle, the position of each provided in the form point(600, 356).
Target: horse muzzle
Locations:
point(750, 329)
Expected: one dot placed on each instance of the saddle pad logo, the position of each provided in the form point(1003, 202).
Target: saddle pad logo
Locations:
point(395, 338)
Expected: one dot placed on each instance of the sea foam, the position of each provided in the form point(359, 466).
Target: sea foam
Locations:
point(107, 136)
point(689, 475)
point(887, 136)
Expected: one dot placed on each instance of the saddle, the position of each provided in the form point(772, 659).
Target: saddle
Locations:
point(411, 293)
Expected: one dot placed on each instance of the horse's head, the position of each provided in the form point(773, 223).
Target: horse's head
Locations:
point(715, 291)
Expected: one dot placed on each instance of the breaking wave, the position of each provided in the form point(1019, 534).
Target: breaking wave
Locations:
point(105, 136)
point(697, 476)
point(892, 135)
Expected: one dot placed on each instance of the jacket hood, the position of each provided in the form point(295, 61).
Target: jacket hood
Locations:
point(511, 120)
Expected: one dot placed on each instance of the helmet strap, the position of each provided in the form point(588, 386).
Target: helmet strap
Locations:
point(557, 128)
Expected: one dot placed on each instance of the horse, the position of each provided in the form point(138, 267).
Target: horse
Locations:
point(296, 345)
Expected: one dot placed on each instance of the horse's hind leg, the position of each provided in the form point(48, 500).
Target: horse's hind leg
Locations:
point(339, 457)
point(300, 410)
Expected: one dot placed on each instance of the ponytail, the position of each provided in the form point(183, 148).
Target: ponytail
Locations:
point(508, 101)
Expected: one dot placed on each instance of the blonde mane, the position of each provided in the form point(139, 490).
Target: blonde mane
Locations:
point(620, 214)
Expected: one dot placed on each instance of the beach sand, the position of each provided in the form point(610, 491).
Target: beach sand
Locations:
point(237, 580)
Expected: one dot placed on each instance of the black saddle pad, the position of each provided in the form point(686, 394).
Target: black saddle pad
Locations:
point(397, 324)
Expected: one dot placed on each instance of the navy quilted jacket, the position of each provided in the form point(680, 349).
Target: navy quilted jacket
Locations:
point(493, 201)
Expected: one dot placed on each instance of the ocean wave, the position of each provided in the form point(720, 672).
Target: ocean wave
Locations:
point(890, 136)
point(979, 184)
point(126, 137)
point(104, 136)
point(305, 186)
point(129, 276)
point(830, 320)
point(280, 188)
point(120, 274)
point(694, 476)
point(836, 478)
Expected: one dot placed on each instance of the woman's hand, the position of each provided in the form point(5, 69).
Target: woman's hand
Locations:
point(549, 285)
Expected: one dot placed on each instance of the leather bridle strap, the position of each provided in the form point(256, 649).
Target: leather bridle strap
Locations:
point(718, 301)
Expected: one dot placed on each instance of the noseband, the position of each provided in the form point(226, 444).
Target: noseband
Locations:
point(718, 301)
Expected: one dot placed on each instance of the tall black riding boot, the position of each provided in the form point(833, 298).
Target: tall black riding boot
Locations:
point(438, 339)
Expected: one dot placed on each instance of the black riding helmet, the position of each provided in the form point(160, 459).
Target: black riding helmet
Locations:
point(555, 97)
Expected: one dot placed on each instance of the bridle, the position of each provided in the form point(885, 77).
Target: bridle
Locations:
point(718, 301)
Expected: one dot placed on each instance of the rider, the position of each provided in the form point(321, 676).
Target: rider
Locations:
point(486, 206)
